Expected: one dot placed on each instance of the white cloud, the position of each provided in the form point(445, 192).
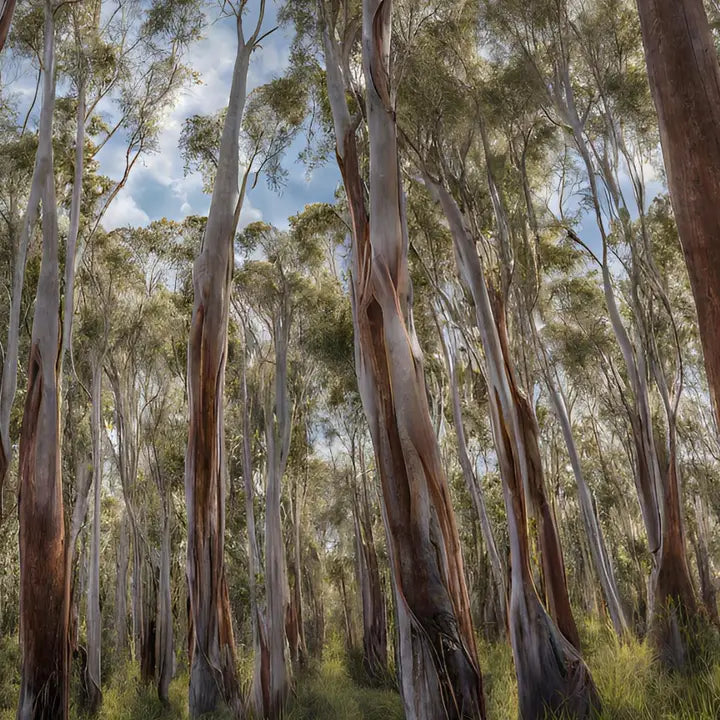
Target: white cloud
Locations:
point(249, 214)
point(124, 211)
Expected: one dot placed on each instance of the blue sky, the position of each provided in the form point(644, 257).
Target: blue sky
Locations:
point(159, 188)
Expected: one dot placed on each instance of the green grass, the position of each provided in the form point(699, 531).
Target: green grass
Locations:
point(630, 681)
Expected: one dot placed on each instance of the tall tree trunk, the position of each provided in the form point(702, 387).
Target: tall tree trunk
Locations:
point(702, 554)
point(213, 676)
point(164, 623)
point(94, 630)
point(41, 169)
point(439, 672)
point(685, 82)
point(473, 486)
point(44, 581)
point(260, 691)
point(550, 671)
point(123, 559)
point(593, 531)
point(373, 600)
point(277, 589)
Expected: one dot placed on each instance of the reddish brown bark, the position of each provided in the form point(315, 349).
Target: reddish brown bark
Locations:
point(439, 671)
point(685, 82)
point(44, 580)
point(553, 563)
point(5, 22)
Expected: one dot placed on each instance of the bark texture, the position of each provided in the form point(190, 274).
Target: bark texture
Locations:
point(213, 677)
point(550, 671)
point(438, 671)
point(44, 581)
point(685, 82)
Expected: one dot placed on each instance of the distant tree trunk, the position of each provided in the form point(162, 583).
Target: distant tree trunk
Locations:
point(260, 691)
point(123, 559)
point(471, 482)
point(550, 671)
point(44, 581)
point(295, 623)
point(73, 230)
point(164, 621)
point(373, 600)
point(702, 555)
point(277, 434)
point(164, 653)
point(94, 630)
point(593, 531)
point(213, 675)
point(685, 82)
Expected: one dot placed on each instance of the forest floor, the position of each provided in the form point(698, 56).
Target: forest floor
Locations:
point(631, 683)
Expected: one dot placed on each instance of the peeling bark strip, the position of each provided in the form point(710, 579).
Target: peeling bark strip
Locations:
point(44, 582)
point(213, 676)
point(685, 83)
point(439, 673)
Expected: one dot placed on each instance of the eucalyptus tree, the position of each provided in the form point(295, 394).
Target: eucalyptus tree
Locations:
point(213, 678)
point(41, 170)
point(44, 583)
point(583, 61)
point(273, 289)
point(388, 361)
point(684, 79)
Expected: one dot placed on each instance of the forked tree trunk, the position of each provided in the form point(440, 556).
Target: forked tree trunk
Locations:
point(550, 671)
point(685, 82)
point(551, 556)
point(213, 676)
point(439, 673)
point(94, 630)
point(44, 581)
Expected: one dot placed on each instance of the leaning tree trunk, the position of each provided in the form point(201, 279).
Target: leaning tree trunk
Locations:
point(439, 672)
point(685, 82)
point(593, 531)
point(213, 676)
point(476, 493)
point(550, 671)
point(94, 630)
point(44, 586)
